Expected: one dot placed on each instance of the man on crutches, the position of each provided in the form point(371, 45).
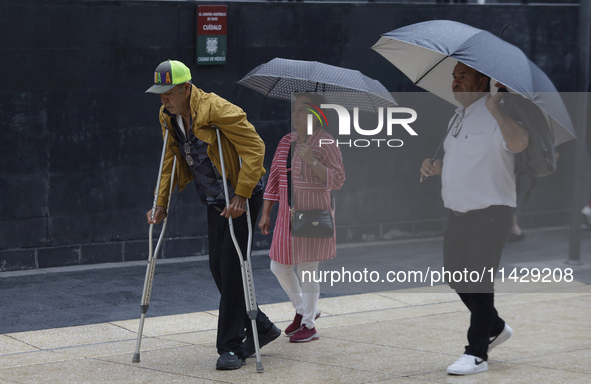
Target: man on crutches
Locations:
point(193, 117)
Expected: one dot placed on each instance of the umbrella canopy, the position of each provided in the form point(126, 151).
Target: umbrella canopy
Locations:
point(349, 88)
point(427, 53)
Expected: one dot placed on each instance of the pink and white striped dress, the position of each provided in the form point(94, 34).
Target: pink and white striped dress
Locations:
point(309, 192)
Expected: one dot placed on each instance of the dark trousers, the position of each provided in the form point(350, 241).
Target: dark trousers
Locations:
point(225, 269)
point(474, 242)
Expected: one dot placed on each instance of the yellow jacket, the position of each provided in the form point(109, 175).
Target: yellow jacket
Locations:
point(238, 136)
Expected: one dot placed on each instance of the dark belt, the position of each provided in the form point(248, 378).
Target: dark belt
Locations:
point(476, 211)
point(218, 208)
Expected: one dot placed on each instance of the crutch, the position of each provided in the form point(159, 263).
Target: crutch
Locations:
point(245, 265)
point(153, 254)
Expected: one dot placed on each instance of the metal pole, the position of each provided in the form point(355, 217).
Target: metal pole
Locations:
point(574, 255)
point(245, 265)
point(153, 254)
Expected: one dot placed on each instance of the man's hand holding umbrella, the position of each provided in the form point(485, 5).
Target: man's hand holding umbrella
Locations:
point(515, 134)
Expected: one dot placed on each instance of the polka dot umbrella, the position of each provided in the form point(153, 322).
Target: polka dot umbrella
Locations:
point(427, 53)
point(346, 87)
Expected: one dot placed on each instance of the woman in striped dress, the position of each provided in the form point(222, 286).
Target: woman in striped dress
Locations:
point(316, 170)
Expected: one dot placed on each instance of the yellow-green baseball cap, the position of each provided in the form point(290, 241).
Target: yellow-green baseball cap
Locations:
point(169, 74)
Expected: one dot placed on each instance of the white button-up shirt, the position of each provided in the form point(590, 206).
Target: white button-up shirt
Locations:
point(478, 169)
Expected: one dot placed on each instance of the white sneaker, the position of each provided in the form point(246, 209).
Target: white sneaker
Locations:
point(501, 338)
point(467, 365)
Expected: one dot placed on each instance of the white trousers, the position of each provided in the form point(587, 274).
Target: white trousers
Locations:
point(303, 292)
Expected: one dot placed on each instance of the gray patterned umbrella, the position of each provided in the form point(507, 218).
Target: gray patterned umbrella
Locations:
point(349, 88)
point(427, 53)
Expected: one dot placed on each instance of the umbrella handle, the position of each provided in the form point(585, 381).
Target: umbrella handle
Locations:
point(442, 141)
point(501, 34)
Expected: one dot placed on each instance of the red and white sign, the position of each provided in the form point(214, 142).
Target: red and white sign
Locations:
point(212, 19)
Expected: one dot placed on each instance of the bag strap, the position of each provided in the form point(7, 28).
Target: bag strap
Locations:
point(289, 182)
point(288, 166)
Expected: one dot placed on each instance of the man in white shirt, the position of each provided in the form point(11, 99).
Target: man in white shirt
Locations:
point(478, 186)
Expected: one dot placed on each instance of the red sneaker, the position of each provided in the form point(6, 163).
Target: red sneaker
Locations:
point(303, 335)
point(297, 323)
point(294, 326)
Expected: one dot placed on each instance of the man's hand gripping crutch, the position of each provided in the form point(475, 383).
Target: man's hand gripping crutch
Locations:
point(153, 254)
point(245, 265)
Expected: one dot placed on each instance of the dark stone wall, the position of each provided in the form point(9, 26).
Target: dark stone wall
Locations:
point(81, 140)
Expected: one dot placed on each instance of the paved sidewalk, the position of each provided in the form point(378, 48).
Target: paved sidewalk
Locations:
point(84, 295)
point(383, 336)
point(389, 337)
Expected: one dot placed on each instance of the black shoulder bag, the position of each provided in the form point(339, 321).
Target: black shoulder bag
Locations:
point(317, 223)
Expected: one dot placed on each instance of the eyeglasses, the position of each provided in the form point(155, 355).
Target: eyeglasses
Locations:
point(188, 157)
point(455, 131)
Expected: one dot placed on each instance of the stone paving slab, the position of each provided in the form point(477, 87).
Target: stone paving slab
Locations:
point(79, 325)
point(394, 337)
